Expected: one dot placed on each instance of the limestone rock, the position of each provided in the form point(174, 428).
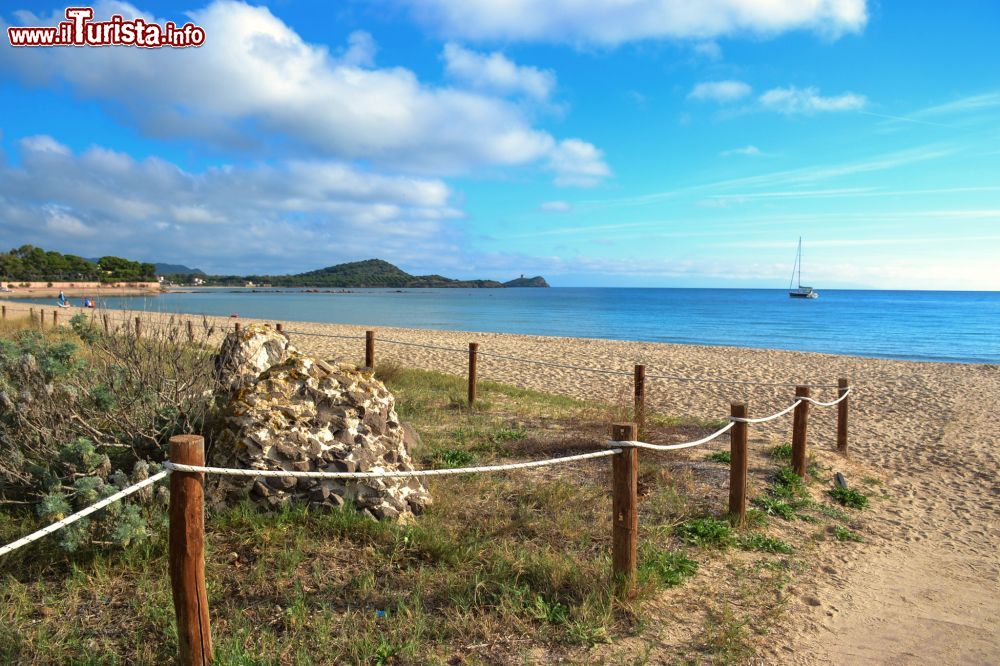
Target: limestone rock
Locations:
point(246, 354)
point(304, 414)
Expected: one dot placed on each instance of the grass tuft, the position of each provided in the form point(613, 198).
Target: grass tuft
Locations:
point(705, 532)
point(724, 457)
point(849, 497)
point(765, 544)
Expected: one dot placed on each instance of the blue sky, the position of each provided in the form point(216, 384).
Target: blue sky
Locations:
point(640, 143)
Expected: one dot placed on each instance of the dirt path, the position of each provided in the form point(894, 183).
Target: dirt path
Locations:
point(929, 593)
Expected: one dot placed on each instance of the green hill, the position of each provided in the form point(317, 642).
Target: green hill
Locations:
point(372, 273)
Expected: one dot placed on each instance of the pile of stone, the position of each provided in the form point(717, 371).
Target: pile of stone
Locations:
point(287, 411)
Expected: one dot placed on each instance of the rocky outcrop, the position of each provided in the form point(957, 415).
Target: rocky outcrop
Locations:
point(245, 355)
point(306, 414)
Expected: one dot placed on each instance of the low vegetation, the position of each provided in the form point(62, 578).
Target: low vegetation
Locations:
point(502, 568)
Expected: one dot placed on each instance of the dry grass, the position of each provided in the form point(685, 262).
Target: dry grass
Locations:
point(502, 569)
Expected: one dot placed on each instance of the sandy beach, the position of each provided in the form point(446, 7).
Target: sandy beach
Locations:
point(924, 591)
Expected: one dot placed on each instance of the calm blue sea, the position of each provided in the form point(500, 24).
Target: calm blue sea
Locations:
point(917, 325)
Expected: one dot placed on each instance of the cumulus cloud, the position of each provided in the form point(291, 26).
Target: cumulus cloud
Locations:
point(612, 22)
point(257, 85)
point(792, 100)
point(578, 164)
point(495, 72)
point(294, 215)
point(556, 206)
point(720, 91)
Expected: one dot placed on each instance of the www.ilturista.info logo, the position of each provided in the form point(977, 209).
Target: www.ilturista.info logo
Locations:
point(80, 30)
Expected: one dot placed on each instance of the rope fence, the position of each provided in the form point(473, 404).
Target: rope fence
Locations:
point(186, 469)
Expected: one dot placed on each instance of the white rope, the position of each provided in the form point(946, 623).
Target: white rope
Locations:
point(566, 366)
point(740, 382)
point(326, 335)
point(556, 365)
point(674, 447)
point(765, 419)
point(825, 404)
point(69, 520)
point(384, 474)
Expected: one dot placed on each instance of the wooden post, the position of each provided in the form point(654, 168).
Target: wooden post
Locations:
point(138, 327)
point(370, 350)
point(842, 387)
point(738, 465)
point(55, 318)
point(236, 327)
point(31, 315)
point(41, 318)
point(799, 425)
point(187, 552)
point(105, 318)
point(640, 396)
point(473, 359)
point(190, 328)
point(278, 328)
point(625, 510)
point(4, 309)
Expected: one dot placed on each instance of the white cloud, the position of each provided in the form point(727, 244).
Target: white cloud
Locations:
point(749, 151)
point(720, 91)
point(708, 50)
point(612, 22)
point(360, 51)
point(292, 215)
point(495, 72)
point(556, 206)
point(257, 86)
point(578, 164)
point(792, 100)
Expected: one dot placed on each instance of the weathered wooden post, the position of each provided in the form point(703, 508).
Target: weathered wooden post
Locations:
point(105, 318)
point(138, 327)
point(738, 465)
point(41, 318)
point(4, 310)
point(842, 389)
point(799, 424)
point(190, 328)
point(625, 510)
point(187, 552)
point(279, 328)
point(473, 360)
point(370, 350)
point(236, 327)
point(640, 396)
point(31, 315)
point(55, 318)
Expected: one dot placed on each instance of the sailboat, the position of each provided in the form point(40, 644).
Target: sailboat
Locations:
point(800, 291)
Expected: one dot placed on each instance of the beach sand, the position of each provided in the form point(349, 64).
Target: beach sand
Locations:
point(923, 590)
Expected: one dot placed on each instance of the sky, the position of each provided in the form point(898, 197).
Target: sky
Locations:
point(652, 143)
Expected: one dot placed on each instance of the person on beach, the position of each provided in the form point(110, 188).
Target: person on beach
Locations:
point(62, 300)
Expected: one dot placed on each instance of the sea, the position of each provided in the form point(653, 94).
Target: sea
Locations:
point(942, 326)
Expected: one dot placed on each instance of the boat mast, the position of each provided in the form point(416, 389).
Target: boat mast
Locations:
point(799, 262)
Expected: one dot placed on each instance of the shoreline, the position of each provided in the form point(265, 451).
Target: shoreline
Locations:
point(6, 298)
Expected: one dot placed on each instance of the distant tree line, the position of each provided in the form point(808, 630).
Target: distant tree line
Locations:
point(33, 264)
